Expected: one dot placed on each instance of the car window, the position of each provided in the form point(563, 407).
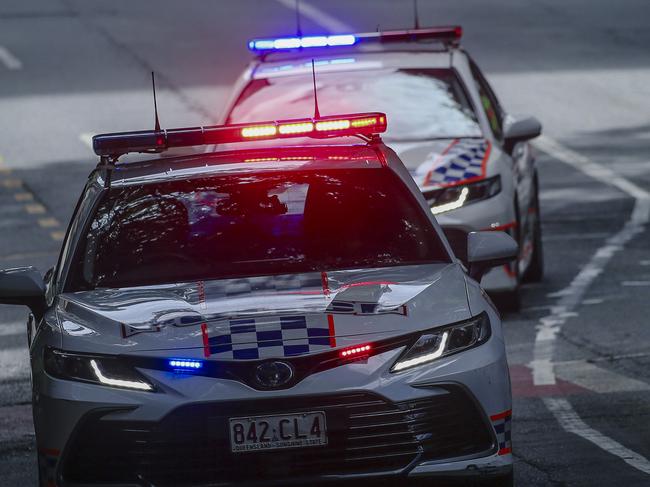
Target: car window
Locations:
point(81, 213)
point(251, 225)
point(489, 102)
point(421, 104)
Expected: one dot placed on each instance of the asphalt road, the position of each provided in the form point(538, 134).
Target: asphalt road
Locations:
point(579, 350)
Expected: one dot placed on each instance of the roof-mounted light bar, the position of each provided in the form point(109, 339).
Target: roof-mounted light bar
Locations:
point(115, 145)
point(451, 34)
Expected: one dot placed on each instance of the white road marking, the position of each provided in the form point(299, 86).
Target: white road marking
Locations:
point(575, 236)
point(635, 283)
point(571, 422)
point(87, 139)
point(644, 262)
point(571, 296)
point(9, 60)
point(14, 363)
point(596, 379)
point(7, 329)
point(317, 16)
point(593, 301)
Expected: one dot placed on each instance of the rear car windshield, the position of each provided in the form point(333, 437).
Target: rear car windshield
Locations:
point(245, 225)
point(421, 104)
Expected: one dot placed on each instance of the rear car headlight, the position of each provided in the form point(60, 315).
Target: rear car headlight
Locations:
point(107, 371)
point(445, 341)
point(453, 197)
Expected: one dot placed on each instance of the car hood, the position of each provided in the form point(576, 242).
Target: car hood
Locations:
point(444, 162)
point(264, 316)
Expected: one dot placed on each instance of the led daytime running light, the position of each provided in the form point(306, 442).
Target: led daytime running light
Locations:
point(129, 384)
point(453, 205)
point(424, 358)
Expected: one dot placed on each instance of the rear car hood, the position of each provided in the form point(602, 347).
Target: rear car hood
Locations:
point(277, 315)
point(444, 162)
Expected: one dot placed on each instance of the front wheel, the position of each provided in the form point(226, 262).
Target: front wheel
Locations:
point(535, 271)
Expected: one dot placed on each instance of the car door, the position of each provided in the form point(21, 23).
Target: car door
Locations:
point(522, 161)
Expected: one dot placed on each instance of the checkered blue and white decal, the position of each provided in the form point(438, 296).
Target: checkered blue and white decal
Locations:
point(250, 338)
point(502, 427)
point(462, 161)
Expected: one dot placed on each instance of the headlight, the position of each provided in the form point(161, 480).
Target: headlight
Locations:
point(106, 371)
point(445, 341)
point(453, 197)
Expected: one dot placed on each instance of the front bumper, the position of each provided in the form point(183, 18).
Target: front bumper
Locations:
point(434, 420)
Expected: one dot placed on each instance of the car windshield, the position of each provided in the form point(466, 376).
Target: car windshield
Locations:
point(420, 104)
point(245, 225)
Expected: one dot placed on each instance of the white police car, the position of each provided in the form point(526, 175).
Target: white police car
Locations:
point(265, 315)
point(468, 157)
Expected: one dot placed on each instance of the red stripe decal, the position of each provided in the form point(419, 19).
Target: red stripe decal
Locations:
point(501, 228)
point(505, 451)
point(325, 283)
point(206, 341)
point(503, 415)
point(509, 271)
point(330, 322)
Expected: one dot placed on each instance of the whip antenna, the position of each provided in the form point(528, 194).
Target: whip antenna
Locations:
point(298, 28)
point(416, 15)
point(313, 75)
point(155, 104)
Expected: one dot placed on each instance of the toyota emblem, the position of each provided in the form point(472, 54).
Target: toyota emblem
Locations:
point(273, 374)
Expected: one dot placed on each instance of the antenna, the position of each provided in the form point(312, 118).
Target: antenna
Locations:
point(313, 75)
point(416, 15)
point(298, 29)
point(155, 105)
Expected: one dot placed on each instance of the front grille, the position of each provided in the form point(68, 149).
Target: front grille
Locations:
point(191, 446)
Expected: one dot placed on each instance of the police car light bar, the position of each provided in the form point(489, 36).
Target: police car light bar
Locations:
point(115, 145)
point(265, 46)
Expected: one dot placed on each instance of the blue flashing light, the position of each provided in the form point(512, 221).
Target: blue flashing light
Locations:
point(283, 43)
point(185, 364)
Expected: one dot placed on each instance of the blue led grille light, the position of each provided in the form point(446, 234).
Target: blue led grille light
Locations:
point(185, 364)
point(301, 42)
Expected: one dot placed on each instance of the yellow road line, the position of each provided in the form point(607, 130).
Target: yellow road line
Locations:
point(35, 209)
point(23, 196)
point(11, 183)
point(48, 222)
point(57, 235)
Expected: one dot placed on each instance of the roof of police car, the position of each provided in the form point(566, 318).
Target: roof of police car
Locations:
point(250, 159)
point(403, 56)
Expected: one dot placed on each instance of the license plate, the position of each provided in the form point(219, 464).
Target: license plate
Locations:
point(278, 432)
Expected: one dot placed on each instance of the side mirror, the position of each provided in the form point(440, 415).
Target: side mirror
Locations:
point(25, 286)
point(486, 250)
point(521, 130)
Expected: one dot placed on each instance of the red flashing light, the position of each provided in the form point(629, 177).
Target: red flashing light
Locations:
point(366, 124)
point(354, 352)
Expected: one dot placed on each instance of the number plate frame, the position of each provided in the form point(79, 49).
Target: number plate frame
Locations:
point(303, 421)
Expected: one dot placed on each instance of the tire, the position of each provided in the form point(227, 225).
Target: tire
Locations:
point(535, 271)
